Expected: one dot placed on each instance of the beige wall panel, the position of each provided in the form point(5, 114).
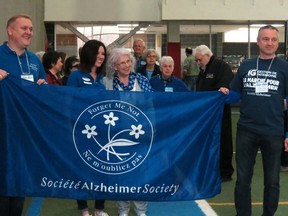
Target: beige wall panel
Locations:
point(99, 10)
point(34, 8)
point(225, 10)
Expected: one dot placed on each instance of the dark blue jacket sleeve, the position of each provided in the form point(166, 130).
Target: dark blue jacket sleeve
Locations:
point(233, 97)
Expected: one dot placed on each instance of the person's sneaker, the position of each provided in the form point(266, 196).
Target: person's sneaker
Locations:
point(101, 213)
point(123, 214)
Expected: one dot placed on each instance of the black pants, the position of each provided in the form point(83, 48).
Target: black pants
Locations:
point(284, 158)
point(284, 155)
point(11, 206)
point(82, 204)
point(226, 144)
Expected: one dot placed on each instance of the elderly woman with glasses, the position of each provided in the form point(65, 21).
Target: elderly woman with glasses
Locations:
point(120, 77)
point(166, 81)
point(151, 68)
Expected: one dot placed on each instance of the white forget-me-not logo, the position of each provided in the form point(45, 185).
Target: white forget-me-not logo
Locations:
point(113, 137)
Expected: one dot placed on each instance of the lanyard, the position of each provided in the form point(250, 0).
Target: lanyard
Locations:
point(20, 64)
point(268, 67)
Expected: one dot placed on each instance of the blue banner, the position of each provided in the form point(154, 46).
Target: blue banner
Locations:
point(81, 143)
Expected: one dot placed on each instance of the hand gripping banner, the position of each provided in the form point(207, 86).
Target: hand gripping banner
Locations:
point(79, 143)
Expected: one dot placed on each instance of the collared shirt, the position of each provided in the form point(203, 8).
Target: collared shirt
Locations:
point(82, 79)
point(9, 62)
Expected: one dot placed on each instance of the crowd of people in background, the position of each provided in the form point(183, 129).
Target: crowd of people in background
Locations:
point(145, 70)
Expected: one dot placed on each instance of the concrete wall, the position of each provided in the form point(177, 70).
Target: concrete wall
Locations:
point(100, 10)
point(157, 10)
point(34, 8)
point(225, 10)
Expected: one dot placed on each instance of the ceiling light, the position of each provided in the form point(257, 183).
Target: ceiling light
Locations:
point(261, 25)
point(127, 25)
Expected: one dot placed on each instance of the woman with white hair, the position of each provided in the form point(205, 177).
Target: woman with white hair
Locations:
point(166, 82)
point(120, 77)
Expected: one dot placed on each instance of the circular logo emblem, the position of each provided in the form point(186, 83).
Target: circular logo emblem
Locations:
point(113, 137)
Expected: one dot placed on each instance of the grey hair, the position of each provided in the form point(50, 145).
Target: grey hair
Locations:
point(203, 50)
point(164, 59)
point(40, 54)
point(150, 51)
point(114, 55)
point(266, 27)
point(140, 39)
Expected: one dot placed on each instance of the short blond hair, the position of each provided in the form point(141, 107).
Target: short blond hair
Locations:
point(14, 18)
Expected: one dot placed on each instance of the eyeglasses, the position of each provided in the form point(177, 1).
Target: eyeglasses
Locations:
point(124, 63)
point(151, 56)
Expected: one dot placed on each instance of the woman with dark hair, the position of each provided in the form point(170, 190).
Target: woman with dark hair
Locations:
point(63, 56)
point(71, 64)
point(92, 60)
point(52, 63)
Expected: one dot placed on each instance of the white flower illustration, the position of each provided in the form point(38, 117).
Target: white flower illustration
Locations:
point(110, 119)
point(90, 131)
point(137, 131)
point(114, 139)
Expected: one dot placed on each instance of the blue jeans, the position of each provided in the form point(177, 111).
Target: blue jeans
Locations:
point(124, 207)
point(247, 145)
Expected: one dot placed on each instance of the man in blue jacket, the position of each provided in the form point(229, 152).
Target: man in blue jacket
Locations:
point(17, 61)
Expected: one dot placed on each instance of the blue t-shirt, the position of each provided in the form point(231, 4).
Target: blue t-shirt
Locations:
point(10, 63)
point(262, 112)
point(82, 79)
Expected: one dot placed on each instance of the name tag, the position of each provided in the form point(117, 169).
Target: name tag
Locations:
point(168, 89)
point(209, 76)
point(261, 87)
point(28, 77)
